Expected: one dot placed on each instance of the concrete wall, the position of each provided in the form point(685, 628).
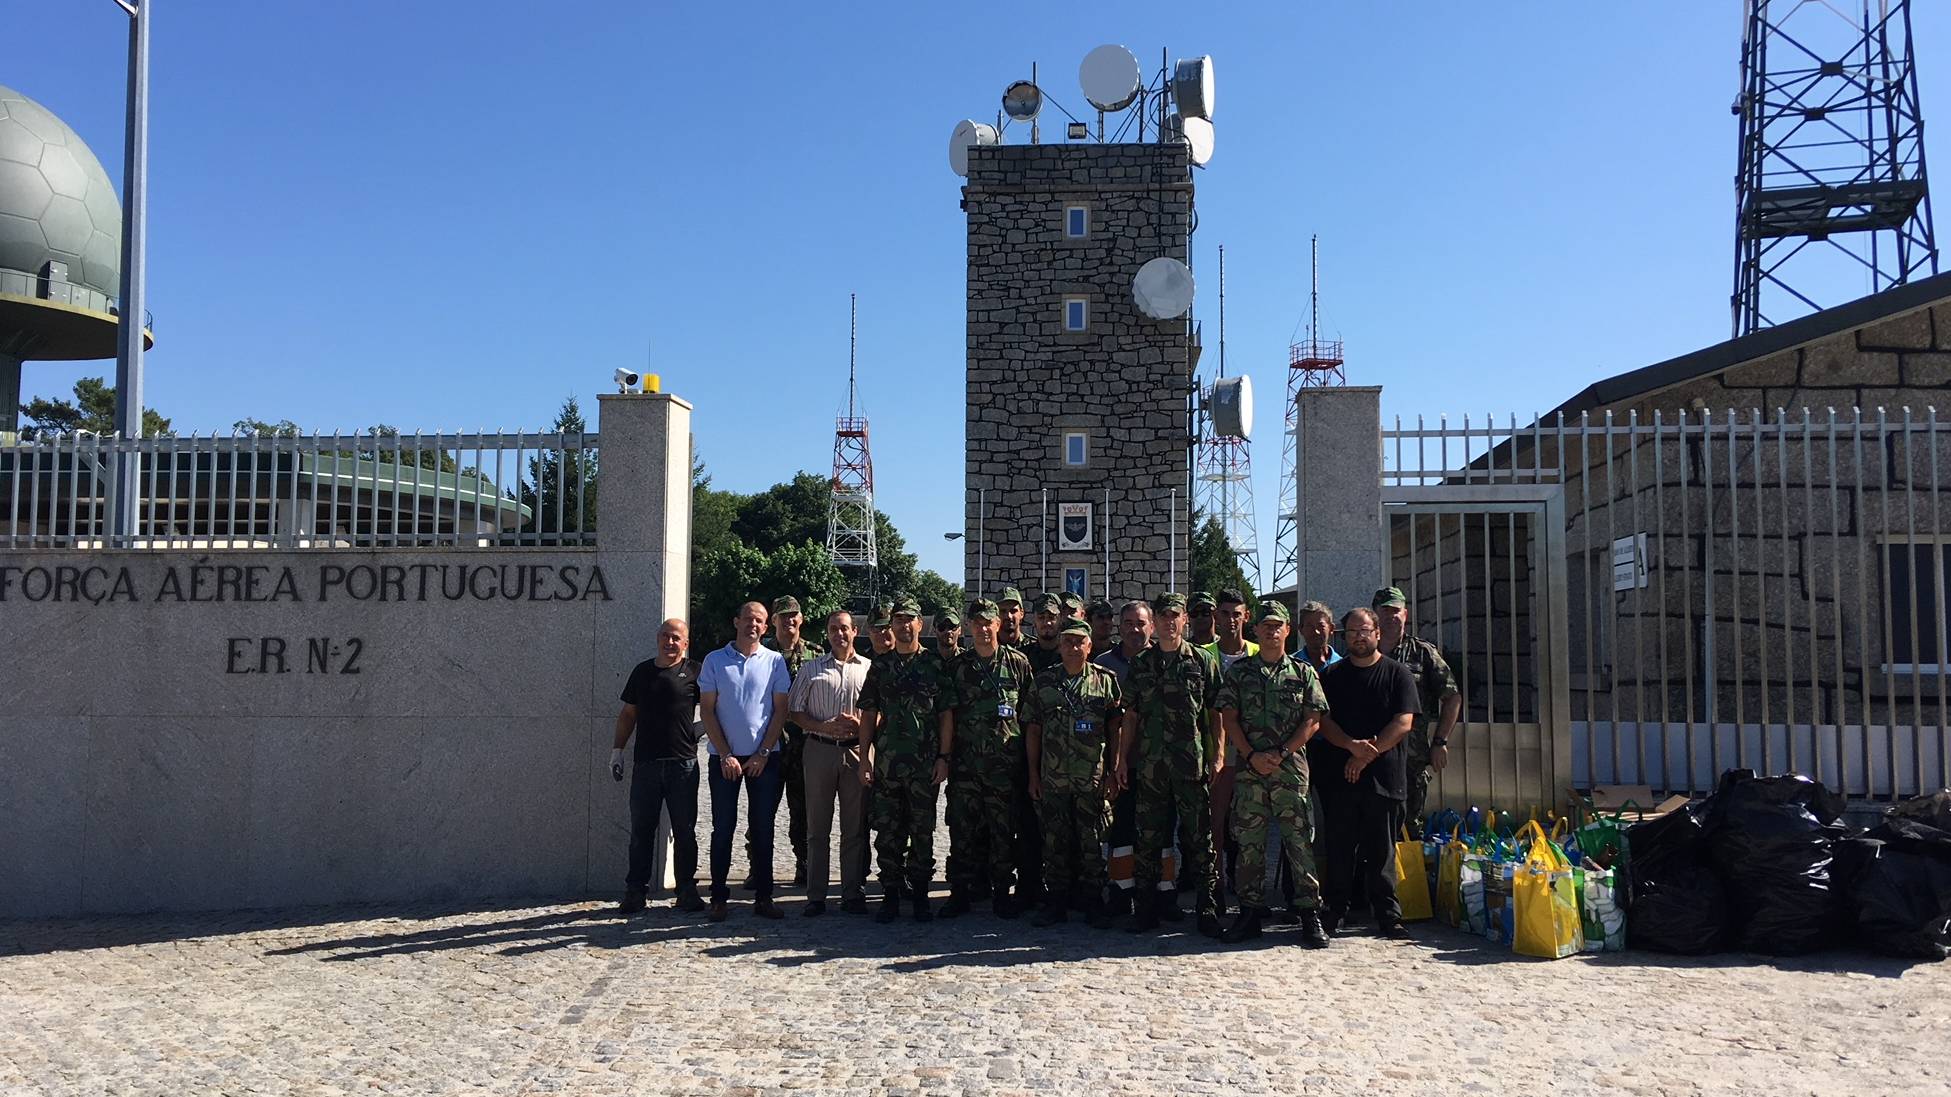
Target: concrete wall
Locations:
point(242, 729)
point(1340, 550)
point(1125, 381)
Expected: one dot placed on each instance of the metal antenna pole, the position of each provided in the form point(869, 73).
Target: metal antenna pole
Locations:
point(853, 345)
point(135, 289)
point(1314, 291)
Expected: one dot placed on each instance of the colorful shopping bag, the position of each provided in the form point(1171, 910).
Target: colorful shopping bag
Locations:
point(1412, 879)
point(1545, 900)
point(1448, 899)
point(1601, 910)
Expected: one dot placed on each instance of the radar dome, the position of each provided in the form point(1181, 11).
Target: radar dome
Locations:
point(56, 202)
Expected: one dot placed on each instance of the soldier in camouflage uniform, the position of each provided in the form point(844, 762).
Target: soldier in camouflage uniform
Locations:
point(786, 640)
point(1071, 721)
point(1009, 629)
point(1271, 705)
point(988, 781)
point(1044, 649)
point(1435, 687)
point(1171, 752)
point(906, 734)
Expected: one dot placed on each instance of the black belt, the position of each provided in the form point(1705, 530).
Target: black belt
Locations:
point(835, 742)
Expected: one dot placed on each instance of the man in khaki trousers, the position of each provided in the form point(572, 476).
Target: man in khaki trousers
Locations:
point(822, 702)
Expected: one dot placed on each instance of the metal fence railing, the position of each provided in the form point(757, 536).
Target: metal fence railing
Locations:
point(1761, 590)
point(242, 491)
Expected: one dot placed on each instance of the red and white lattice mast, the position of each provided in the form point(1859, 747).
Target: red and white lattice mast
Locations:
point(850, 509)
point(1223, 473)
point(1312, 363)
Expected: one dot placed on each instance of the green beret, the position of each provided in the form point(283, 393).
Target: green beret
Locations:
point(785, 604)
point(984, 609)
point(1202, 598)
point(904, 605)
point(947, 619)
point(1076, 625)
point(1169, 600)
point(1389, 596)
point(1010, 594)
point(1273, 609)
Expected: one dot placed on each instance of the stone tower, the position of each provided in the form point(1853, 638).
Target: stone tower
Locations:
point(1070, 387)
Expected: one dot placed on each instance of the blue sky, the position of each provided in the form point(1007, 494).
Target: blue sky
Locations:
point(455, 216)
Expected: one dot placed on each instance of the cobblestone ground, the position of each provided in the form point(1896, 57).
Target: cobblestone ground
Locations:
point(567, 999)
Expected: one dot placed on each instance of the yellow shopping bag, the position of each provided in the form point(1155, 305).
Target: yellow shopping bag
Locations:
point(1448, 900)
point(1546, 901)
point(1412, 878)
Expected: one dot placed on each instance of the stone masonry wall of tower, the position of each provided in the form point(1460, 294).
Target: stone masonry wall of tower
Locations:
point(1122, 381)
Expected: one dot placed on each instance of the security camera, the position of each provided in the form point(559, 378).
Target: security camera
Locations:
point(627, 380)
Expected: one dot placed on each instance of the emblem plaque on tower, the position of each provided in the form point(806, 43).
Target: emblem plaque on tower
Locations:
point(1073, 527)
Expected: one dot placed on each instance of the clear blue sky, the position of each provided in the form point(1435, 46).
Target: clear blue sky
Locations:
point(456, 215)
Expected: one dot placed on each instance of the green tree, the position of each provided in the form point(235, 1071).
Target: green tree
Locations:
point(1215, 566)
point(712, 514)
point(283, 428)
point(560, 486)
point(92, 409)
point(792, 513)
point(730, 575)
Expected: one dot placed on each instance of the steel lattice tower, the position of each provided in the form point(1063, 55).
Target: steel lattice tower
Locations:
point(1311, 363)
point(850, 509)
point(1832, 152)
point(1223, 473)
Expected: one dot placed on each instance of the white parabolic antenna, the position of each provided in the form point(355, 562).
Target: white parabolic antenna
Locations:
point(1110, 77)
point(1231, 407)
point(967, 133)
point(1192, 87)
point(1197, 133)
point(1162, 288)
point(1022, 100)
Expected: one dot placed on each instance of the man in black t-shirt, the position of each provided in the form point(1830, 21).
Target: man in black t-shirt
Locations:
point(660, 704)
point(1360, 773)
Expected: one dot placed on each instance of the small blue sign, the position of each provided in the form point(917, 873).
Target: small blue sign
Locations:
point(1074, 580)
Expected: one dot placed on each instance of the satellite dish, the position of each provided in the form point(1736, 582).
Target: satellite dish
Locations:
point(1110, 77)
point(1022, 100)
point(1230, 405)
point(967, 133)
point(1197, 133)
point(1162, 288)
point(1192, 87)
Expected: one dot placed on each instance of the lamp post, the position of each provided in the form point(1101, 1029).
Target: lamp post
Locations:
point(135, 247)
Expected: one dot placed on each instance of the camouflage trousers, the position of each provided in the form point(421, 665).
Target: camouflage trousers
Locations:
point(1166, 791)
point(904, 818)
point(1417, 748)
point(1073, 842)
point(1259, 804)
point(986, 794)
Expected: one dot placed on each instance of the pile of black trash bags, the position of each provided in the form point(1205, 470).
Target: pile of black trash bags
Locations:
point(1766, 865)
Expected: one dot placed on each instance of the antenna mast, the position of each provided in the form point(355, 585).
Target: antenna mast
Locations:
point(1223, 478)
point(1312, 363)
point(850, 507)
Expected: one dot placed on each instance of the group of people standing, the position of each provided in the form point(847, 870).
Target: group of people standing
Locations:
point(1156, 726)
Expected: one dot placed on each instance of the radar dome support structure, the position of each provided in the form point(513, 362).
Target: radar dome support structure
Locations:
point(850, 506)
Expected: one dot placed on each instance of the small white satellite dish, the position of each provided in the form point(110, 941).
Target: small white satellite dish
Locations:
point(1162, 288)
point(1230, 405)
point(1192, 87)
point(967, 133)
point(1110, 77)
point(1022, 100)
point(1197, 133)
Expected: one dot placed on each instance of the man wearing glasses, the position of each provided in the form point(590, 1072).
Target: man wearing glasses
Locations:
point(1372, 701)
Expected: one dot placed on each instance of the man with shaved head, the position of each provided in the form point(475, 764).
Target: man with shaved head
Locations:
point(660, 706)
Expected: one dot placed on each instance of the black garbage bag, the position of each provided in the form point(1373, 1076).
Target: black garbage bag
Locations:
point(1678, 903)
point(1773, 840)
point(1901, 895)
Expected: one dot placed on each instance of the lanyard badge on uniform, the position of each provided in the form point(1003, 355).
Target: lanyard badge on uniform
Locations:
point(1004, 710)
point(1083, 723)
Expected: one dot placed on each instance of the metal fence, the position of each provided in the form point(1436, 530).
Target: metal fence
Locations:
point(245, 491)
point(1761, 590)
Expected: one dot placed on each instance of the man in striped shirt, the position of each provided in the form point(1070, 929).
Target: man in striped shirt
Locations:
point(824, 703)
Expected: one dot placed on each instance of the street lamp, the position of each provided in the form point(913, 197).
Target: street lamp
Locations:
point(951, 537)
point(135, 248)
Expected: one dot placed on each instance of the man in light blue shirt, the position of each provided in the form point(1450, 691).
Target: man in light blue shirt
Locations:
point(742, 690)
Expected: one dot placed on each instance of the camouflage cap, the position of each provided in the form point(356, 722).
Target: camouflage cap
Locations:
point(1075, 625)
point(1389, 596)
point(1073, 604)
point(1201, 598)
point(1171, 599)
point(904, 605)
point(947, 619)
point(1047, 603)
point(881, 619)
point(785, 603)
point(1009, 594)
point(1102, 608)
point(1271, 609)
point(985, 610)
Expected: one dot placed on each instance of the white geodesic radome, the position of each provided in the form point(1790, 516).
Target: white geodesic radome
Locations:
point(56, 202)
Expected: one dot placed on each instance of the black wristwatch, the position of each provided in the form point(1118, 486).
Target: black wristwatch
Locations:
point(1434, 743)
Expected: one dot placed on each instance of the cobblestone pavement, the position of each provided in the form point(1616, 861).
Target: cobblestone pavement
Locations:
point(568, 999)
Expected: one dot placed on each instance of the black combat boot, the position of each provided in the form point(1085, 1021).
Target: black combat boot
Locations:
point(1167, 904)
point(1004, 904)
point(957, 905)
point(1244, 928)
point(1145, 918)
point(922, 911)
point(890, 906)
point(1055, 910)
point(1313, 933)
